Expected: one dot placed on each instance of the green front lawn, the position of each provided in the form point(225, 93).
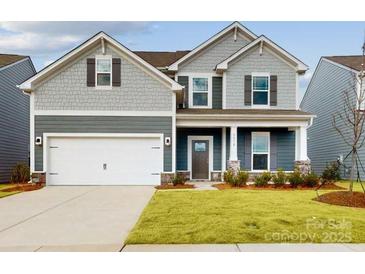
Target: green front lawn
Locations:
point(245, 216)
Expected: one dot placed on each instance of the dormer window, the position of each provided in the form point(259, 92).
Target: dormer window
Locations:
point(103, 71)
point(260, 90)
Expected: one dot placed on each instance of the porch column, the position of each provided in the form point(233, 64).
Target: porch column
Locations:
point(301, 158)
point(301, 144)
point(224, 145)
point(233, 163)
point(233, 144)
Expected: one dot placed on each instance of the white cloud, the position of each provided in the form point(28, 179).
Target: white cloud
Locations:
point(50, 37)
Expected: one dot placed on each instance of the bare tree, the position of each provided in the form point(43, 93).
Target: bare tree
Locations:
point(349, 121)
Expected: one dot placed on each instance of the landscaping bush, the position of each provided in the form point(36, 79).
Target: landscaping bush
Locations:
point(236, 180)
point(279, 178)
point(310, 180)
point(242, 178)
point(178, 179)
point(20, 173)
point(331, 172)
point(228, 177)
point(295, 178)
point(263, 179)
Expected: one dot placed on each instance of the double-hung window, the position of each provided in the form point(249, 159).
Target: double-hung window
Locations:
point(260, 151)
point(103, 71)
point(200, 92)
point(260, 90)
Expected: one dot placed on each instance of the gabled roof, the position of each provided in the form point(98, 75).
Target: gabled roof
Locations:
point(90, 43)
point(161, 59)
point(235, 25)
point(299, 65)
point(8, 59)
point(354, 62)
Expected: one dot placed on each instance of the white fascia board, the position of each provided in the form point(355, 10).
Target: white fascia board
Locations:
point(174, 66)
point(27, 85)
point(236, 123)
point(245, 117)
point(224, 64)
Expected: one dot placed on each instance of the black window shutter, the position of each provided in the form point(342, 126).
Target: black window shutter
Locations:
point(116, 72)
point(248, 91)
point(273, 90)
point(184, 81)
point(90, 78)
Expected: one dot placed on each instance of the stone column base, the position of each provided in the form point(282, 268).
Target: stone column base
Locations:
point(216, 176)
point(38, 177)
point(233, 165)
point(304, 166)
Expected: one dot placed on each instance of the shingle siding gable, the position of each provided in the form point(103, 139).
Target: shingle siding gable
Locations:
point(68, 90)
point(251, 62)
point(207, 60)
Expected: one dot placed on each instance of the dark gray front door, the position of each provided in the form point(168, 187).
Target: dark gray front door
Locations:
point(200, 160)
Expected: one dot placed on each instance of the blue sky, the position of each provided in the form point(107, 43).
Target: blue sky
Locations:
point(46, 41)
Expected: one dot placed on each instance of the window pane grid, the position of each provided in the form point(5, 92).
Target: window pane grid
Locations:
point(260, 151)
point(260, 90)
point(200, 91)
point(103, 71)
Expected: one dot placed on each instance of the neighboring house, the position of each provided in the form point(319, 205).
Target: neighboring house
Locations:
point(324, 97)
point(103, 114)
point(14, 113)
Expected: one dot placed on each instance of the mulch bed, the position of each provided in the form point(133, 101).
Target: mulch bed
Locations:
point(170, 186)
point(343, 198)
point(273, 187)
point(23, 187)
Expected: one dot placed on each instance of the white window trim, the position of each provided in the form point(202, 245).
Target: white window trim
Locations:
point(262, 133)
point(260, 74)
point(96, 71)
point(209, 92)
point(192, 138)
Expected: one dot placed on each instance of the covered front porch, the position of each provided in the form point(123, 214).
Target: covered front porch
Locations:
point(206, 147)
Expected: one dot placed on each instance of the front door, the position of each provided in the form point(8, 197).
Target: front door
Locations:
point(200, 159)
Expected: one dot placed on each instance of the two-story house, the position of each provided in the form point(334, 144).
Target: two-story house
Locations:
point(14, 113)
point(103, 114)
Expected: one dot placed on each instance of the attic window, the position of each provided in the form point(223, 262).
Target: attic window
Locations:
point(103, 71)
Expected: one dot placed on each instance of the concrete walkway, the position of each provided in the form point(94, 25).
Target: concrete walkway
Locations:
point(71, 218)
point(247, 248)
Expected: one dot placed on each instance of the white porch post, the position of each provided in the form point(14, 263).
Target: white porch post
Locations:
point(224, 145)
point(233, 144)
point(301, 144)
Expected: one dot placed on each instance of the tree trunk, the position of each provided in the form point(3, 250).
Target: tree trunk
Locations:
point(353, 159)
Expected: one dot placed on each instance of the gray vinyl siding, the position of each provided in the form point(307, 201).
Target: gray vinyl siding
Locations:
point(14, 117)
point(217, 92)
point(207, 60)
point(285, 146)
point(103, 124)
point(324, 97)
point(282, 148)
point(251, 62)
point(182, 145)
point(68, 90)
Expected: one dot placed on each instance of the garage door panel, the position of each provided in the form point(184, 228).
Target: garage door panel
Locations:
point(104, 161)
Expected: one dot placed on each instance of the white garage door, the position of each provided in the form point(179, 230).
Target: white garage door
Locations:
point(104, 161)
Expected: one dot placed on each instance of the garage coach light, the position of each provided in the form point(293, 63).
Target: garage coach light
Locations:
point(38, 141)
point(167, 141)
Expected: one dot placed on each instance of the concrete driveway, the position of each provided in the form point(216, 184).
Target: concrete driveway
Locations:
point(71, 218)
